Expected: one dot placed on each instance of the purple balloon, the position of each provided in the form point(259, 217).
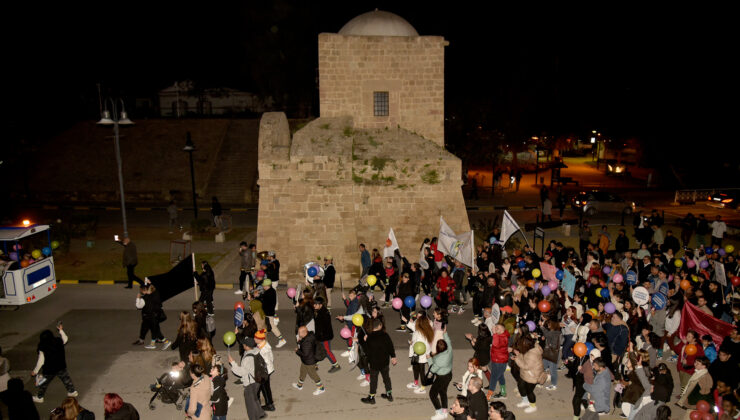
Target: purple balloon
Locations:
point(531, 326)
point(722, 252)
point(13, 256)
point(607, 269)
point(545, 290)
point(426, 301)
point(609, 308)
point(704, 264)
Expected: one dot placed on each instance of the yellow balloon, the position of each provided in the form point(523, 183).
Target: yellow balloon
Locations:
point(357, 319)
point(371, 280)
point(585, 299)
point(678, 263)
point(729, 249)
point(694, 277)
point(536, 272)
point(594, 312)
point(598, 291)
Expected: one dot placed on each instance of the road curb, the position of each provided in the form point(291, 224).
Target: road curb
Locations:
point(228, 286)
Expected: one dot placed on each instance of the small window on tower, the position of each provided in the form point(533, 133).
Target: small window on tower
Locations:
point(380, 104)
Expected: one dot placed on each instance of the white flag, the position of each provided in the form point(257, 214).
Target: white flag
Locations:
point(508, 227)
point(390, 244)
point(459, 247)
point(719, 273)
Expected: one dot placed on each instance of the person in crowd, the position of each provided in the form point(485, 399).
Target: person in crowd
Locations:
point(151, 315)
point(269, 305)
point(199, 406)
point(440, 365)
point(51, 363)
point(216, 212)
point(477, 404)
point(306, 351)
point(471, 372)
point(325, 331)
point(685, 364)
point(207, 284)
point(551, 331)
point(247, 255)
point(380, 354)
point(422, 332)
point(445, 289)
point(18, 401)
point(459, 409)
point(219, 397)
point(718, 230)
point(707, 344)
point(187, 336)
point(699, 385)
point(499, 361)
point(497, 411)
point(4, 371)
point(600, 390)
point(116, 409)
point(528, 357)
point(246, 370)
point(265, 350)
point(482, 348)
point(130, 260)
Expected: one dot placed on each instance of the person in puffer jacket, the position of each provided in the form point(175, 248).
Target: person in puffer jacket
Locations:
point(499, 360)
point(531, 370)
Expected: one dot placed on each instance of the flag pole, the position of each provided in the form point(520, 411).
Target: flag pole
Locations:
point(472, 252)
point(195, 289)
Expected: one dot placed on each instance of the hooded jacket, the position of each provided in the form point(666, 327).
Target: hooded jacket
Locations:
point(500, 348)
point(531, 366)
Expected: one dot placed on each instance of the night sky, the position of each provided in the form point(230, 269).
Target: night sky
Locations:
point(660, 75)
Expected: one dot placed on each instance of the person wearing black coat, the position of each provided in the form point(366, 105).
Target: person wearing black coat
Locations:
point(52, 362)
point(330, 274)
point(151, 310)
point(306, 351)
point(207, 284)
point(324, 331)
point(19, 401)
point(406, 288)
point(663, 384)
point(380, 353)
point(477, 403)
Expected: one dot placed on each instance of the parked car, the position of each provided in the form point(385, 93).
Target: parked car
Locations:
point(723, 199)
point(595, 201)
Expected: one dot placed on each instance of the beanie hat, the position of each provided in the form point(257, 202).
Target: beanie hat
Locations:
point(260, 335)
point(266, 282)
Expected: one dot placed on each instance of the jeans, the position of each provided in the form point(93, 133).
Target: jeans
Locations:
point(497, 375)
point(553, 367)
point(266, 390)
point(63, 376)
point(438, 392)
point(150, 324)
point(254, 409)
point(567, 346)
point(374, 380)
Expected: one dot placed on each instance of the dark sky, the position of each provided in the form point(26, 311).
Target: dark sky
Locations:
point(662, 75)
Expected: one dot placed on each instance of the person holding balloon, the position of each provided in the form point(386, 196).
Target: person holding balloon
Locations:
point(406, 292)
point(698, 387)
point(419, 348)
point(688, 350)
point(353, 307)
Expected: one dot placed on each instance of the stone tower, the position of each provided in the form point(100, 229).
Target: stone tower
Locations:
point(375, 159)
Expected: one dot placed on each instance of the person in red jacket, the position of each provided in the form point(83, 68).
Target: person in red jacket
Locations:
point(499, 360)
point(438, 256)
point(446, 289)
point(685, 363)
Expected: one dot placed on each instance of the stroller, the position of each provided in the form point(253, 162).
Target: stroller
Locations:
point(170, 388)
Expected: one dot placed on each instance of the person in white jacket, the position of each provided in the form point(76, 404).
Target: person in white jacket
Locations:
point(422, 332)
point(473, 371)
point(260, 338)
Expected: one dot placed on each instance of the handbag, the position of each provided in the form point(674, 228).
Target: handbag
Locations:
point(415, 359)
point(429, 378)
point(161, 316)
point(550, 354)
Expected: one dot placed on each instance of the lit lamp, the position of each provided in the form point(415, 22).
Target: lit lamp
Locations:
point(115, 119)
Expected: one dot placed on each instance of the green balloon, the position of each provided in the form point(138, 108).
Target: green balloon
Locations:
point(54, 244)
point(420, 348)
point(229, 338)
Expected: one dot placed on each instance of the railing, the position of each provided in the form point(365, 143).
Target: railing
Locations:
point(691, 196)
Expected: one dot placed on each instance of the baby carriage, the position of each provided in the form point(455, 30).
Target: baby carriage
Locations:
point(170, 388)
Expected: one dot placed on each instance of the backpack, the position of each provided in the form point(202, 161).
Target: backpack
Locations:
point(319, 351)
point(260, 368)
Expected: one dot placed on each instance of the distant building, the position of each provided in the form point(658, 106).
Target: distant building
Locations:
point(183, 99)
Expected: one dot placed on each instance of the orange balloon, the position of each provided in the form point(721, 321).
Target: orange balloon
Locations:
point(544, 306)
point(388, 243)
point(580, 349)
point(685, 285)
point(530, 283)
point(24, 263)
point(690, 350)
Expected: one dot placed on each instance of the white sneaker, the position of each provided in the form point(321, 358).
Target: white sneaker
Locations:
point(410, 369)
point(281, 343)
point(523, 404)
point(345, 353)
point(441, 415)
point(360, 377)
point(38, 400)
point(420, 390)
point(167, 344)
point(231, 400)
point(551, 387)
point(73, 394)
point(319, 391)
point(298, 387)
point(412, 385)
point(530, 409)
point(275, 318)
point(364, 384)
point(238, 292)
point(151, 346)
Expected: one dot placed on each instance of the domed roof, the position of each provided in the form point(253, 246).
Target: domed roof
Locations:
point(378, 23)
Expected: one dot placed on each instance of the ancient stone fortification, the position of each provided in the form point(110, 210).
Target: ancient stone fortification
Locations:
point(333, 186)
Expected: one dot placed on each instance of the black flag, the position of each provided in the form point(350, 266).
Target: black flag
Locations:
point(175, 281)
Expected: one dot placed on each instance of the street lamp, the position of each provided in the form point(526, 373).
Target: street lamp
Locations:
point(190, 147)
point(114, 118)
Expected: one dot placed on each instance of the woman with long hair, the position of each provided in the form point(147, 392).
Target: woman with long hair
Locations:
point(551, 331)
point(482, 348)
point(206, 350)
point(568, 327)
point(445, 289)
point(151, 312)
point(207, 284)
point(199, 315)
point(187, 336)
point(73, 411)
point(440, 364)
point(422, 332)
point(116, 409)
point(528, 356)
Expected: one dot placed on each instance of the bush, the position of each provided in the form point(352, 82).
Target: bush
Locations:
point(200, 225)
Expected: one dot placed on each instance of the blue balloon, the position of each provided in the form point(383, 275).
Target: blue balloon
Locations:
point(312, 271)
point(410, 302)
point(265, 263)
point(589, 347)
point(522, 264)
point(663, 288)
point(605, 293)
point(659, 301)
point(708, 250)
point(631, 278)
point(46, 251)
point(559, 274)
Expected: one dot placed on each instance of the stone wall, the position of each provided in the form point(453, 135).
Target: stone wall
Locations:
point(340, 186)
point(411, 69)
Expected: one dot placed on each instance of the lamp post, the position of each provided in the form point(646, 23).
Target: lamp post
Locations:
point(114, 118)
point(190, 147)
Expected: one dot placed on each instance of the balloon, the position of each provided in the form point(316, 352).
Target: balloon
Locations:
point(694, 278)
point(530, 283)
point(426, 301)
point(685, 284)
point(594, 312)
point(239, 305)
point(678, 263)
point(544, 306)
point(397, 303)
point(580, 350)
point(702, 405)
point(610, 308)
point(54, 244)
point(312, 271)
point(607, 269)
point(46, 251)
point(229, 338)
point(659, 301)
point(371, 280)
point(690, 264)
point(708, 250)
point(559, 274)
point(410, 302)
point(388, 242)
point(545, 290)
point(729, 249)
point(24, 263)
point(420, 348)
point(345, 333)
point(605, 293)
point(704, 264)
point(695, 415)
point(617, 278)
point(553, 285)
point(531, 326)
point(521, 264)
point(722, 252)
point(589, 347)
point(36, 254)
point(707, 416)
point(735, 281)
point(536, 273)
point(598, 291)
point(13, 256)
point(357, 319)
point(518, 259)
point(585, 299)
point(691, 350)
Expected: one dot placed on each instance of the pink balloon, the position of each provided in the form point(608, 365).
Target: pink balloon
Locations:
point(397, 303)
point(291, 292)
point(690, 263)
point(553, 285)
point(617, 278)
point(345, 333)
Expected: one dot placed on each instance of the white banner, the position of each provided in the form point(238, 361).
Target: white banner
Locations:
point(459, 247)
point(719, 273)
point(508, 227)
point(390, 244)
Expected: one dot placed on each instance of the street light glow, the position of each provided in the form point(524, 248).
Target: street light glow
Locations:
point(593, 140)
